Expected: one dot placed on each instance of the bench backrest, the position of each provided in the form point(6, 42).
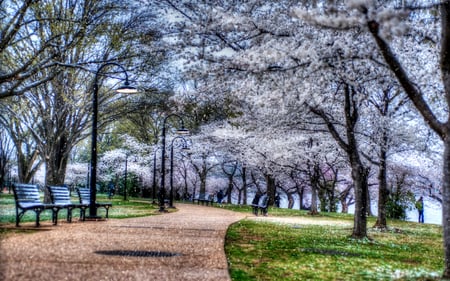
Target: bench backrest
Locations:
point(84, 194)
point(26, 193)
point(204, 196)
point(59, 194)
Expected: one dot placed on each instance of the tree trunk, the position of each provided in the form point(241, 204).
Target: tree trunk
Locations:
point(244, 184)
point(445, 67)
point(202, 185)
point(343, 197)
point(56, 163)
point(230, 188)
point(383, 191)
point(314, 210)
point(290, 200)
point(314, 180)
point(271, 189)
point(300, 192)
point(446, 206)
point(369, 209)
point(360, 178)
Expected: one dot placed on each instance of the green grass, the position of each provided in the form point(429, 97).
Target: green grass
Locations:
point(270, 251)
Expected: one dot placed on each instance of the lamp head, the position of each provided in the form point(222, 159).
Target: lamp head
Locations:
point(183, 132)
point(126, 88)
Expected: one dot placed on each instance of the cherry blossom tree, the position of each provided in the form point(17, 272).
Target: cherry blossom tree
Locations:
point(273, 61)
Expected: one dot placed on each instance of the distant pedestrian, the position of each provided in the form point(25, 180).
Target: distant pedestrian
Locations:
point(255, 203)
point(219, 197)
point(419, 207)
point(111, 189)
point(277, 200)
point(263, 204)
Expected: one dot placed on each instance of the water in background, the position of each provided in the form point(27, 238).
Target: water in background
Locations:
point(432, 210)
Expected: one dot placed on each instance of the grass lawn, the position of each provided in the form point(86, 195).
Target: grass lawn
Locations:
point(259, 250)
point(273, 251)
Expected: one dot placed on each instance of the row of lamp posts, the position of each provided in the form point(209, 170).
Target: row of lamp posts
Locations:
point(127, 89)
point(162, 191)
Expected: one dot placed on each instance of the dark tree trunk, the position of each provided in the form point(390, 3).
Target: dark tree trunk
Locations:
point(349, 145)
point(360, 178)
point(383, 191)
point(290, 200)
point(446, 206)
point(244, 183)
point(300, 192)
point(346, 198)
point(271, 189)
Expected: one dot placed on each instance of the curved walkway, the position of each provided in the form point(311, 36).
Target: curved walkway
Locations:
point(184, 245)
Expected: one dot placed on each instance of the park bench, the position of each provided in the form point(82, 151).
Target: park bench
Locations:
point(27, 198)
point(60, 196)
point(85, 198)
point(204, 198)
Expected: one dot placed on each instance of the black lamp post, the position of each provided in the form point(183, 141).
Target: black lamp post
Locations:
point(154, 176)
point(126, 180)
point(181, 131)
point(127, 89)
point(185, 147)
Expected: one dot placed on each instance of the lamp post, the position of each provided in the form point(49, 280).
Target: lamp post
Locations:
point(126, 180)
point(127, 89)
point(185, 147)
point(181, 131)
point(154, 176)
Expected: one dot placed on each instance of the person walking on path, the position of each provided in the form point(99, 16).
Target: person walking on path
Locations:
point(277, 200)
point(255, 203)
point(220, 196)
point(419, 207)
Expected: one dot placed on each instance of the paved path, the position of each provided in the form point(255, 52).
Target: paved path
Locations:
point(194, 236)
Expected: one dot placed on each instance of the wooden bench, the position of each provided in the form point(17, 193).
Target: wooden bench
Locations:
point(204, 198)
point(61, 196)
point(85, 198)
point(27, 198)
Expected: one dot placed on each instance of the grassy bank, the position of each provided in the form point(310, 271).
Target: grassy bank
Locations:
point(273, 251)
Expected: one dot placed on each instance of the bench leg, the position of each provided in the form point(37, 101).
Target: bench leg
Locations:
point(17, 217)
point(69, 214)
point(38, 216)
point(55, 212)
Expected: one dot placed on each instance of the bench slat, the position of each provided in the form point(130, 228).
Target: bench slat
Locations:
point(84, 195)
point(27, 198)
point(61, 197)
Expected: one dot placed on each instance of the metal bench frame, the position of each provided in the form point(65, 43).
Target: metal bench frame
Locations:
point(61, 196)
point(84, 194)
point(204, 198)
point(27, 198)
